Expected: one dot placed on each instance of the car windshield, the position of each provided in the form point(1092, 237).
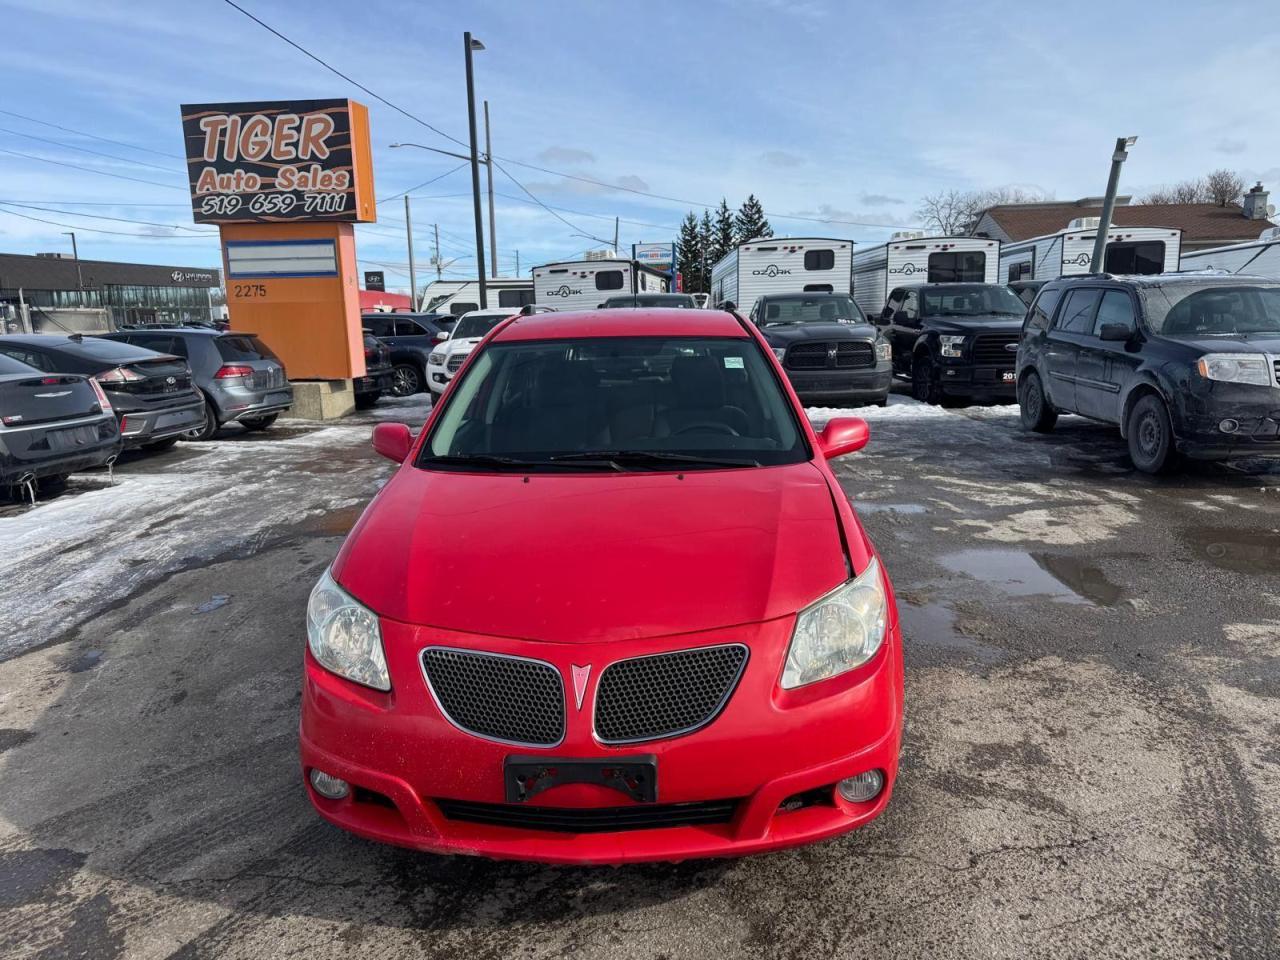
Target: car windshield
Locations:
point(617, 403)
point(816, 309)
point(657, 300)
point(476, 324)
point(1211, 310)
point(242, 347)
point(970, 300)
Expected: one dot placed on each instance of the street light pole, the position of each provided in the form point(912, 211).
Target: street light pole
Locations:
point(1109, 202)
point(469, 45)
point(413, 273)
point(493, 228)
point(75, 255)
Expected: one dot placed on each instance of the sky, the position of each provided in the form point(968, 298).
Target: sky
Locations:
point(844, 112)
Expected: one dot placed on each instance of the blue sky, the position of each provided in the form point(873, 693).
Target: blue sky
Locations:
point(838, 111)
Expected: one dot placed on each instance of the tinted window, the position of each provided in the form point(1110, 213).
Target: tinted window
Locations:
point(815, 309)
point(1116, 307)
point(818, 288)
point(459, 308)
point(151, 341)
point(609, 280)
point(714, 397)
point(243, 348)
point(971, 300)
point(378, 326)
point(404, 327)
point(1077, 312)
point(1019, 270)
point(957, 267)
point(514, 298)
point(1143, 258)
point(1197, 310)
point(10, 365)
point(29, 357)
point(477, 325)
point(1042, 311)
point(819, 259)
point(100, 349)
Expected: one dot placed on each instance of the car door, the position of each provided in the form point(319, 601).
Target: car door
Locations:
point(906, 327)
point(1104, 366)
point(1072, 328)
point(412, 332)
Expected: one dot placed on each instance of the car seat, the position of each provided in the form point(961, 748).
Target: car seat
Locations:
point(699, 397)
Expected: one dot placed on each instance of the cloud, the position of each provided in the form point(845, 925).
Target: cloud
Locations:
point(780, 158)
point(1229, 146)
point(826, 211)
point(567, 155)
point(880, 199)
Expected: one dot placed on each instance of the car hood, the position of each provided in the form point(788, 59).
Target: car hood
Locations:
point(986, 323)
point(466, 345)
point(1266, 343)
point(780, 335)
point(578, 558)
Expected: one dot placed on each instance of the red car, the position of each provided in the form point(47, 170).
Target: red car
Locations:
point(612, 607)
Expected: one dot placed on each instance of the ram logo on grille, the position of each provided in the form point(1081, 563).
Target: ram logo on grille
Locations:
point(498, 697)
point(667, 694)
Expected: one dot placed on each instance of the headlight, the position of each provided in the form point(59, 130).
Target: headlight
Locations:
point(1235, 368)
point(838, 632)
point(952, 346)
point(884, 350)
point(435, 359)
point(344, 636)
point(779, 352)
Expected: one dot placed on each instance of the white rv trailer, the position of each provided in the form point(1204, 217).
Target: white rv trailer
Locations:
point(585, 284)
point(780, 265)
point(1069, 252)
point(910, 259)
point(457, 297)
point(1256, 258)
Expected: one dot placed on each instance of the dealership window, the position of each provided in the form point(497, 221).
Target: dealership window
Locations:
point(514, 298)
point(957, 267)
point(819, 259)
point(1146, 258)
point(609, 280)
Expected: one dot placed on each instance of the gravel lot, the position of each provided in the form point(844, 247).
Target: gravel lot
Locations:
point(1091, 765)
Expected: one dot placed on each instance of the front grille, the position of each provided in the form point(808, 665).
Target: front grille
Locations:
point(640, 816)
point(511, 699)
point(666, 694)
point(807, 356)
point(820, 355)
point(855, 353)
point(1277, 372)
point(990, 348)
point(455, 362)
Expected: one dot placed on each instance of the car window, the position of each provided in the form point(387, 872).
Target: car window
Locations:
point(241, 347)
point(820, 308)
point(911, 305)
point(1207, 310)
point(405, 327)
point(1042, 310)
point(160, 343)
point(108, 350)
point(477, 325)
point(378, 326)
point(30, 357)
point(691, 396)
point(1077, 312)
point(1116, 307)
point(970, 300)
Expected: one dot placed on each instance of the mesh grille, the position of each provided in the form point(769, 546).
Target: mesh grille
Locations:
point(666, 694)
point(502, 698)
point(990, 348)
point(807, 356)
point(640, 816)
point(455, 362)
point(855, 353)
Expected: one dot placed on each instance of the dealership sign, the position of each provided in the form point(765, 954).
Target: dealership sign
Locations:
point(279, 161)
point(657, 255)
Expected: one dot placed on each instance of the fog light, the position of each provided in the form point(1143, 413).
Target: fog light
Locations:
point(860, 789)
point(329, 787)
point(1229, 426)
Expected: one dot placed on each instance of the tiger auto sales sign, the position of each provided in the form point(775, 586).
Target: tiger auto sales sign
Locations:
point(279, 161)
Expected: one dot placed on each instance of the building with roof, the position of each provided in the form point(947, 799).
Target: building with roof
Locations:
point(1203, 225)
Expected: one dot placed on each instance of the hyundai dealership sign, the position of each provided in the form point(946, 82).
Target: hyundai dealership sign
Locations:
point(660, 256)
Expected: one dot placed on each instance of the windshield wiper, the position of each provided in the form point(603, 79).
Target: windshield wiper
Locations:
point(637, 457)
point(482, 460)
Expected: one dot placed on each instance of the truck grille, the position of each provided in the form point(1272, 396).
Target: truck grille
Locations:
point(1277, 373)
point(455, 362)
point(512, 699)
point(640, 816)
point(819, 356)
point(667, 694)
point(990, 348)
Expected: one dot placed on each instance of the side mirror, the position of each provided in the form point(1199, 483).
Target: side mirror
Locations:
point(392, 440)
point(1115, 332)
point(442, 336)
point(728, 306)
point(843, 435)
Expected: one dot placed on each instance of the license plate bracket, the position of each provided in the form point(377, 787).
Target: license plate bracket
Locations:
point(526, 777)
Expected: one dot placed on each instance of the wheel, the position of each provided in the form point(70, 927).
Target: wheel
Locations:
point(155, 446)
point(253, 424)
point(207, 430)
point(1151, 436)
point(924, 380)
point(366, 400)
point(1036, 411)
point(406, 380)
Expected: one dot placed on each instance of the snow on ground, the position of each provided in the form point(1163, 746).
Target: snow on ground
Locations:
point(900, 407)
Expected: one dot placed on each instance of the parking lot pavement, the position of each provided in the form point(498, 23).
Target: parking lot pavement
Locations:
point(1090, 768)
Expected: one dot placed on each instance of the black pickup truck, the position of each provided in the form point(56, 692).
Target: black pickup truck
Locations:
point(831, 353)
point(952, 339)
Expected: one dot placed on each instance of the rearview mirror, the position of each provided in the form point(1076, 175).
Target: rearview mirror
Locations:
point(1115, 332)
point(843, 435)
point(392, 440)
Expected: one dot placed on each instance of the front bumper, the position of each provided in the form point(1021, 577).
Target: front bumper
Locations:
point(142, 426)
point(967, 379)
point(864, 383)
point(438, 379)
point(1204, 406)
point(766, 746)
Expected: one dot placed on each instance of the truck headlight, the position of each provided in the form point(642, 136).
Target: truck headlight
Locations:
point(884, 350)
point(1235, 368)
point(838, 632)
point(344, 636)
point(435, 359)
point(952, 346)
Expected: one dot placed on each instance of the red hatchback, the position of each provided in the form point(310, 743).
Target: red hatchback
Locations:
point(612, 607)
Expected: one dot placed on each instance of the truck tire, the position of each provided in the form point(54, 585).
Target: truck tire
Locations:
point(925, 383)
point(1034, 407)
point(1150, 433)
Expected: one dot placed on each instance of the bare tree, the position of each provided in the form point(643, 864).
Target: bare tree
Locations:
point(953, 212)
point(1221, 187)
point(1224, 187)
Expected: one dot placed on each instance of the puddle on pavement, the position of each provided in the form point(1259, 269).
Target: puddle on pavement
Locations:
point(333, 523)
point(934, 625)
point(1020, 574)
point(870, 506)
point(86, 661)
point(213, 603)
point(1242, 551)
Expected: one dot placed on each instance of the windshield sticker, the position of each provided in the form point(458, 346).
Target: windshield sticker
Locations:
point(733, 363)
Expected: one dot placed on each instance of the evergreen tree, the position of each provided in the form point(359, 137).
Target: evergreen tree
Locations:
point(689, 253)
point(750, 222)
point(723, 239)
point(706, 240)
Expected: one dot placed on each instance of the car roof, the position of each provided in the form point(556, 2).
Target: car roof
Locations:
point(641, 322)
point(806, 295)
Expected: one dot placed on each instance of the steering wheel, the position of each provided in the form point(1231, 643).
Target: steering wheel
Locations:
point(713, 425)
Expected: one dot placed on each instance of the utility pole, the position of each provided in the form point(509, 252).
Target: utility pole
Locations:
point(517, 263)
point(437, 257)
point(469, 45)
point(1120, 155)
point(413, 272)
point(615, 236)
point(493, 228)
point(75, 255)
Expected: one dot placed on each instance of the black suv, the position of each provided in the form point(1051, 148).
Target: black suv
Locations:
point(411, 337)
point(954, 339)
point(831, 353)
point(1183, 363)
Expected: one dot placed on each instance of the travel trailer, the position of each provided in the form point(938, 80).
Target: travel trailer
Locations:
point(910, 259)
point(585, 284)
point(1257, 258)
point(1069, 252)
point(777, 265)
point(457, 297)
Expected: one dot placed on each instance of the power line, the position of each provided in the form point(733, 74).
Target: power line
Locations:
point(397, 196)
point(99, 216)
point(96, 153)
point(104, 203)
point(115, 233)
point(91, 136)
point(101, 173)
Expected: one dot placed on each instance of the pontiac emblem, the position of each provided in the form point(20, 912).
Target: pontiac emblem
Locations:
point(580, 675)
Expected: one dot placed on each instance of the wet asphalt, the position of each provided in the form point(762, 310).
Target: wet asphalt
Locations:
point(1090, 768)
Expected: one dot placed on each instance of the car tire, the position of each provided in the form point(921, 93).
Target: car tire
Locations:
point(254, 424)
point(1034, 407)
point(925, 385)
point(366, 400)
point(207, 430)
point(406, 380)
point(1150, 435)
point(157, 446)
